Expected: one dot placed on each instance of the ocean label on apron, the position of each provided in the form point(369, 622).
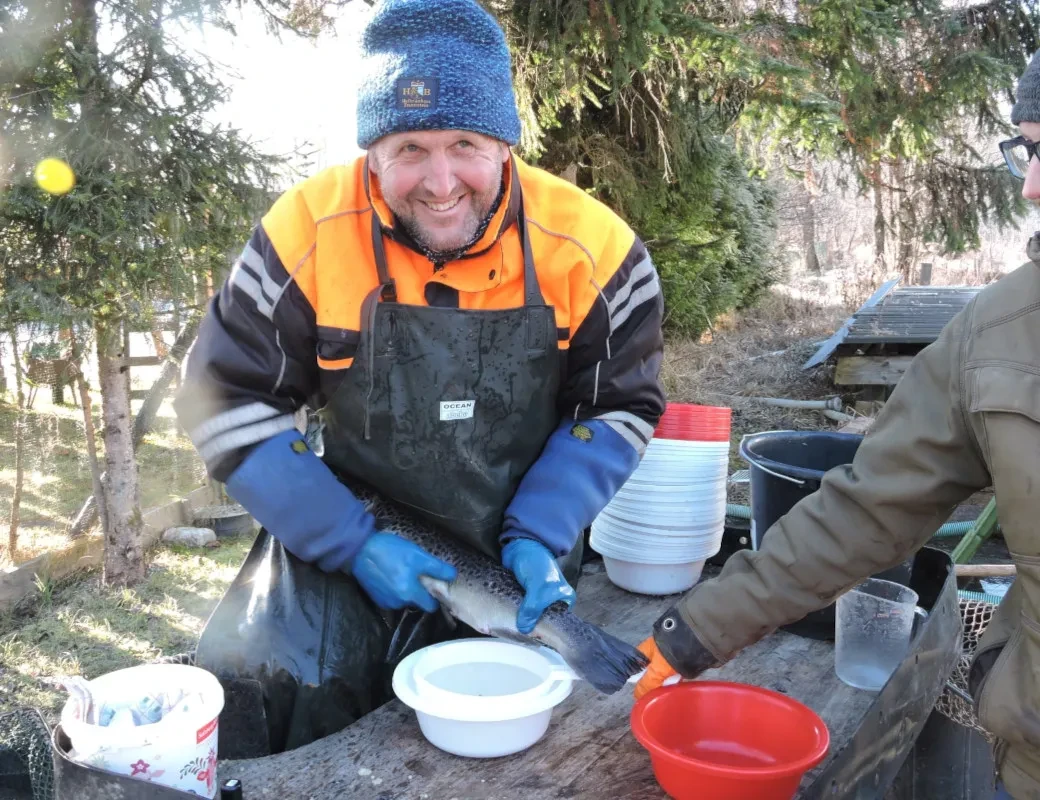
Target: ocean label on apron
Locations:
point(457, 409)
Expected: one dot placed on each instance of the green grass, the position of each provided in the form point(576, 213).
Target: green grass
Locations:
point(82, 628)
point(79, 627)
point(57, 470)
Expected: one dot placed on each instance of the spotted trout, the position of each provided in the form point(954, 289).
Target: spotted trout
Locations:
point(486, 596)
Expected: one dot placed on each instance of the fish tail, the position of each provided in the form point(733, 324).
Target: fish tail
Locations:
point(603, 660)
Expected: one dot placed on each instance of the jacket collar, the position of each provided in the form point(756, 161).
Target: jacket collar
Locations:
point(505, 214)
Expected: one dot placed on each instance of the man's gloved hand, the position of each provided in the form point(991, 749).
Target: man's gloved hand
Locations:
point(388, 569)
point(657, 673)
point(537, 571)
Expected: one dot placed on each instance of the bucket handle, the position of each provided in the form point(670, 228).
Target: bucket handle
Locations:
point(746, 455)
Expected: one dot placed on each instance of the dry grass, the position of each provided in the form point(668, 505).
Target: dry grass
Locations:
point(759, 353)
point(57, 473)
point(82, 628)
point(78, 627)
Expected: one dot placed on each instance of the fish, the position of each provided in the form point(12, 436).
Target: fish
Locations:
point(486, 596)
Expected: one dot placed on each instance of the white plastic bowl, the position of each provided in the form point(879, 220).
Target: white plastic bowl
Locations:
point(611, 549)
point(653, 579)
point(679, 523)
point(652, 527)
point(688, 446)
point(483, 698)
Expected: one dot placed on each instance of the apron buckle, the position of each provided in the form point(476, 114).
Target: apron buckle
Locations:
point(388, 291)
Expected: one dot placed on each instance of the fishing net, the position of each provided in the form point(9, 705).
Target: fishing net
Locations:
point(26, 768)
point(975, 615)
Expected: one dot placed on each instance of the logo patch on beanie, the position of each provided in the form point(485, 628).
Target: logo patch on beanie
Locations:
point(417, 93)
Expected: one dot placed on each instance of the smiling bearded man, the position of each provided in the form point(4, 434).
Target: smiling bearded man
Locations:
point(483, 341)
point(443, 186)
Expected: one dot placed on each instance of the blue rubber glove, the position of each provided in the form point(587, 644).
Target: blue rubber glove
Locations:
point(295, 496)
point(536, 570)
point(388, 569)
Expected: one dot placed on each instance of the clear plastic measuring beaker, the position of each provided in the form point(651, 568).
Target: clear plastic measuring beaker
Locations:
point(873, 626)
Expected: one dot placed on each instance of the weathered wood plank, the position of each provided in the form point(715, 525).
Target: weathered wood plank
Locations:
point(19, 583)
point(144, 361)
point(871, 370)
point(588, 752)
point(828, 347)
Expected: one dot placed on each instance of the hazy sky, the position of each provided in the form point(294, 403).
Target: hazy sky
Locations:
point(288, 92)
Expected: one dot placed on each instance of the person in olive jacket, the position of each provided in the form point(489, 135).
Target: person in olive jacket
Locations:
point(965, 416)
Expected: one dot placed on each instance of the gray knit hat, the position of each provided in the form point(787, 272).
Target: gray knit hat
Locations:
point(1027, 105)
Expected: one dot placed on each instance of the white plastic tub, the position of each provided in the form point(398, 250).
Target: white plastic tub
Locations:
point(653, 579)
point(483, 698)
point(621, 551)
point(179, 751)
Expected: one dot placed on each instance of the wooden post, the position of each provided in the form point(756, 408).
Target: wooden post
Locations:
point(985, 570)
point(925, 278)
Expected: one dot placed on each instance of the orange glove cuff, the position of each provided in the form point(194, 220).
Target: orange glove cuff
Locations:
point(657, 672)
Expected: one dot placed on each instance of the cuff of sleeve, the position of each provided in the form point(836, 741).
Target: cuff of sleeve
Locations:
point(680, 646)
point(299, 501)
point(578, 473)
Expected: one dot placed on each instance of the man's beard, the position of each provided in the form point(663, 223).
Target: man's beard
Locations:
point(444, 254)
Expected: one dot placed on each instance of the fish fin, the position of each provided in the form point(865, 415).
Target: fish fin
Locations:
point(604, 660)
point(452, 624)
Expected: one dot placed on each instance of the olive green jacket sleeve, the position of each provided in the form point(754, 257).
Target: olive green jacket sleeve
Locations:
point(918, 463)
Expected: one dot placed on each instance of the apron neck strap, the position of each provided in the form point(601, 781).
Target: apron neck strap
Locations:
point(387, 287)
point(532, 291)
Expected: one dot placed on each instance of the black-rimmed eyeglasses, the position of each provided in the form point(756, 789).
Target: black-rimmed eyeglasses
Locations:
point(1018, 152)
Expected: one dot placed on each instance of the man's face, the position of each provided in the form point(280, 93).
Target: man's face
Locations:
point(440, 184)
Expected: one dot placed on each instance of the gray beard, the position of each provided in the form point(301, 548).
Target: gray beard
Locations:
point(444, 256)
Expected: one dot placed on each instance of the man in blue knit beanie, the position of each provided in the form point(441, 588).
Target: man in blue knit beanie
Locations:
point(437, 66)
point(483, 340)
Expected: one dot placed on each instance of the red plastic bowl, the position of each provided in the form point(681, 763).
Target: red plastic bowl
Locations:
point(712, 740)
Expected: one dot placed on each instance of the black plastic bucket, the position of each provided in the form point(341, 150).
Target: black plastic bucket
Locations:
point(786, 467)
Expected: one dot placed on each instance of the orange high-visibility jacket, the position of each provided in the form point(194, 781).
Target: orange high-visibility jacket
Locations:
point(285, 326)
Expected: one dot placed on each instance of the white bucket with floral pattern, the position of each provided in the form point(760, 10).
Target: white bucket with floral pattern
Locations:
point(179, 751)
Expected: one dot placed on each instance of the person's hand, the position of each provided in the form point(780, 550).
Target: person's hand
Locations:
point(657, 672)
point(537, 571)
point(388, 569)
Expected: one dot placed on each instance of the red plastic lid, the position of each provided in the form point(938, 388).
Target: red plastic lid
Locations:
point(694, 423)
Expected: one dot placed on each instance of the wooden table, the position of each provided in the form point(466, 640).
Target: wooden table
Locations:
point(588, 751)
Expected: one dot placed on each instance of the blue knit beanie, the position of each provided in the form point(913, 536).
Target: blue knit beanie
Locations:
point(1027, 100)
point(435, 65)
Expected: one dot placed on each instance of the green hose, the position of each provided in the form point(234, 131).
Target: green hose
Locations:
point(949, 530)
